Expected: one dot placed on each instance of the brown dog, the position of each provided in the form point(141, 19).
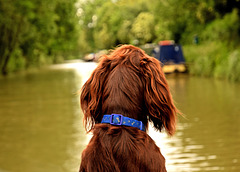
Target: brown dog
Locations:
point(126, 91)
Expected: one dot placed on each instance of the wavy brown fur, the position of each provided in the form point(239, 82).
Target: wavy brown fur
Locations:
point(131, 83)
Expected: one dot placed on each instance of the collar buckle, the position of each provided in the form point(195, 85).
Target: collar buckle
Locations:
point(116, 119)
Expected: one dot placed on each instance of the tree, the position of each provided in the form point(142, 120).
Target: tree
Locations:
point(143, 28)
point(34, 32)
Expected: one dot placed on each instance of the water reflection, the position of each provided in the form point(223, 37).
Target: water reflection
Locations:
point(208, 137)
point(82, 71)
point(41, 122)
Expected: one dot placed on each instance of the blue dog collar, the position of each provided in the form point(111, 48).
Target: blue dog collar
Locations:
point(117, 119)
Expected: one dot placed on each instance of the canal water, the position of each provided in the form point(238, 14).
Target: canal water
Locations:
point(41, 126)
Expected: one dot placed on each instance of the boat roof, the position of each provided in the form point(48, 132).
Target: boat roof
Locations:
point(167, 42)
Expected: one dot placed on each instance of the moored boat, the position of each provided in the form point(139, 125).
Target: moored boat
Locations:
point(171, 56)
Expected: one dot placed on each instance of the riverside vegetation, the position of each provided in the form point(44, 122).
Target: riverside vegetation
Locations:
point(37, 32)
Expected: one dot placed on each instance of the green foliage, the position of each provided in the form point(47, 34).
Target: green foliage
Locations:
point(215, 60)
point(17, 62)
point(38, 32)
point(233, 70)
point(148, 21)
point(106, 23)
point(143, 27)
point(201, 58)
point(124, 32)
point(35, 32)
point(103, 38)
point(224, 29)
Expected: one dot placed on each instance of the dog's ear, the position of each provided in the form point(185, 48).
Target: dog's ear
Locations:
point(91, 94)
point(158, 99)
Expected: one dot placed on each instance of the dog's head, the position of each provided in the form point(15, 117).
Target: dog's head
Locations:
point(131, 83)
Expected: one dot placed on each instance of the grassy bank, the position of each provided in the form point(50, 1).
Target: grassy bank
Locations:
point(214, 59)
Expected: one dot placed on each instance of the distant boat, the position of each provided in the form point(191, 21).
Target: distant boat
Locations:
point(171, 56)
point(89, 57)
point(95, 56)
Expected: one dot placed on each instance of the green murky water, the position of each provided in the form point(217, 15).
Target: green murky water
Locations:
point(41, 124)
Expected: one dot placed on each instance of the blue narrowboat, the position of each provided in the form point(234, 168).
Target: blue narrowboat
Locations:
point(171, 56)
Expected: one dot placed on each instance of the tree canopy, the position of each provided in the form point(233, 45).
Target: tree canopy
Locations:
point(35, 32)
point(106, 23)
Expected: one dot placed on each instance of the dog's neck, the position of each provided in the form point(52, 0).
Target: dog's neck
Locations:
point(138, 115)
point(119, 120)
